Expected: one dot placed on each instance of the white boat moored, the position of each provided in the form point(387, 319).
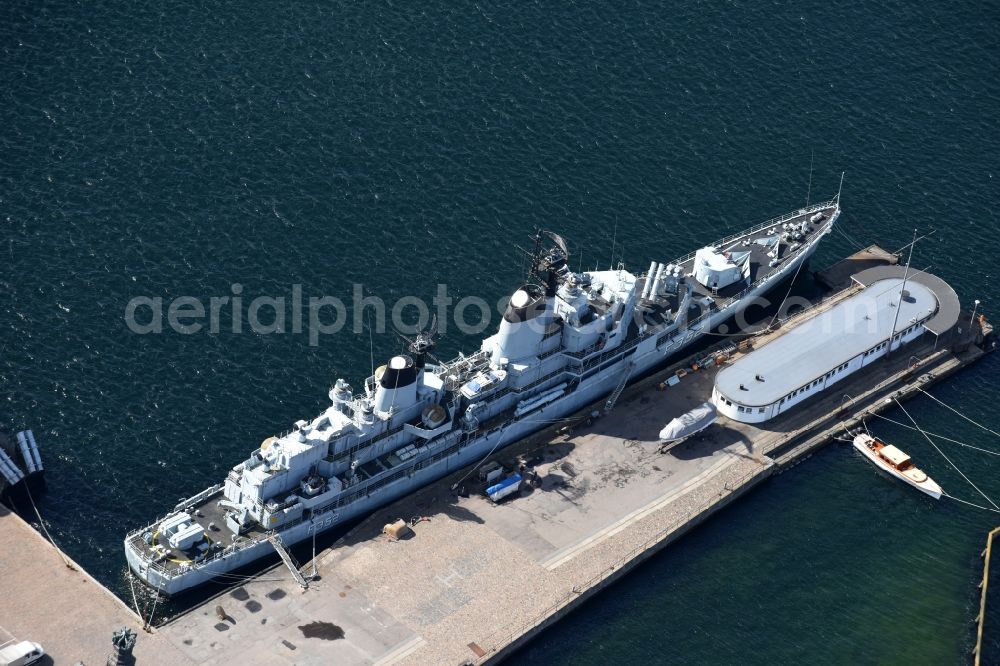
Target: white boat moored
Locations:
point(892, 460)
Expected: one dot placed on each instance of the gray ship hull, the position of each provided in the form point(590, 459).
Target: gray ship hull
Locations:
point(458, 449)
point(640, 358)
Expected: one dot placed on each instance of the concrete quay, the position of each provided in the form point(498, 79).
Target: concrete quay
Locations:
point(475, 580)
point(49, 599)
point(478, 580)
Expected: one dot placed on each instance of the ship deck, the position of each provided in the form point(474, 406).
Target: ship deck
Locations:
point(211, 517)
point(760, 268)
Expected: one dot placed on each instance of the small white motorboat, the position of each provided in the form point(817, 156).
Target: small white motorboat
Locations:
point(689, 423)
point(890, 459)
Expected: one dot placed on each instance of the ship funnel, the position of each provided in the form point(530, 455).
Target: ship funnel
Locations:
point(523, 324)
point(397, 387)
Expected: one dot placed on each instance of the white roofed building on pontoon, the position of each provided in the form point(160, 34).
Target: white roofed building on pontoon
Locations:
point(823, 350)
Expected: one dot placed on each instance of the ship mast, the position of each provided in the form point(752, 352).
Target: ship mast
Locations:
point(902, 291)
point(812, 157)
point(548, 261)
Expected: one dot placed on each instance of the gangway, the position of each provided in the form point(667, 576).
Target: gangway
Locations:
point(286, 557)
point(613, 398)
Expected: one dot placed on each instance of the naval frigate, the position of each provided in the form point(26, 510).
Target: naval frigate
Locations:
point(566, 340)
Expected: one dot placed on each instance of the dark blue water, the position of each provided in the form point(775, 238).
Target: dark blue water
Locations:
point(177, 149)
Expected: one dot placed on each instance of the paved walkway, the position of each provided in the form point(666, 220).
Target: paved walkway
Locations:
point(65, 610)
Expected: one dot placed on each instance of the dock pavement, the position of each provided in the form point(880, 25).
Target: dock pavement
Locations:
point(49, 599)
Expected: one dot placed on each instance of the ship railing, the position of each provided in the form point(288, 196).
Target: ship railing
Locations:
point(347, 453)
point(369, 486)
point(755, 285)
point(197, 498)
point(140, 530)
point(172, 570)
point(579, 356)
point(585, 352)
point(200, 497)
point(552, 352)
point(464, 366)
point(763, 225)
point(527, 387)
point(555, 330)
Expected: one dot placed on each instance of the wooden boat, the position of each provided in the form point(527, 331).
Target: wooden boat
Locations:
point(893, 461)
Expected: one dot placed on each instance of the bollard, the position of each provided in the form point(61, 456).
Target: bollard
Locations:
point(123, 641)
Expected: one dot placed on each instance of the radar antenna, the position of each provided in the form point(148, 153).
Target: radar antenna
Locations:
point(423, 344)
point(548, 260)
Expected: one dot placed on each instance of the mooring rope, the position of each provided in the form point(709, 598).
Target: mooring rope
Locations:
point(135, 601)
point(787, 294)
point(987, 497)
point(984, 508)
point(941, 437)
point(149, 622)
point(960, 413)
point(45, 529)
point(848, 238)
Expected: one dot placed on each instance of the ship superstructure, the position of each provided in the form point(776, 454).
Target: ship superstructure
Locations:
point(566, 339)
